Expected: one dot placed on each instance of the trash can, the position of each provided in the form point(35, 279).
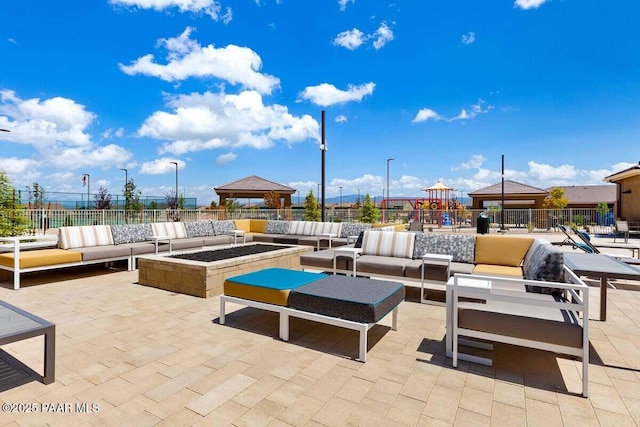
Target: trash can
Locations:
point(483, 224)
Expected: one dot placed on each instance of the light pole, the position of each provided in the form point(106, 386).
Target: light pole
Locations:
point(341, 196)
point(502, 198)
point(176, 164)
point(86, 179)
point(323, 150)
point(388, 194)
point(126, 182)
point(358, 201)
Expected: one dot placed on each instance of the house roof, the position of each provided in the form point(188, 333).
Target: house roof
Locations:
point(627, 173)
point(253, 184)
point(510, 187)
point(589, 194)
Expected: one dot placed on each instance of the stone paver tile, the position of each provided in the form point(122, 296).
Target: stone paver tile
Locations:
point(540, 388)
point(142, 372)
point(355, 389)
point(261, 414)
point(144, 419)
point(217, 377)
point(320, 366)
point(291, 390)
point(576, 411)
point(405, 410)
point(443, 403)
point(218, 395)
point(257, 391)
point(627, 388)
point(419, 385)
point(606, 398)
point(223, 415)
point(480, 382)
point(301, 411)
point(335, 412)
point(476, 401)
point(452, 378)
point(607, 418)
point(510, 394)
point(181, 418)
point(503, 415)
point(172, 386)
point(172, 403)
point(368, 413)
point(542, 414)
point(469, 418)
point(330, 383)
point(384, 391)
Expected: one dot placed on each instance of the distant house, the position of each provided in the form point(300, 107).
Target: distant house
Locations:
point(516, 195)
point(627, 193)
point(588, 196)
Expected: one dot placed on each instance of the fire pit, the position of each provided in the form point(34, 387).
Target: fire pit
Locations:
point(202, 273)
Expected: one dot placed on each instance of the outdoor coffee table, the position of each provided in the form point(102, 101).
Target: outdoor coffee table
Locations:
point(158, 239)
point(236, 234)
point(325, 236)
point(17, 325)
point(348, 252)
point(604, 267)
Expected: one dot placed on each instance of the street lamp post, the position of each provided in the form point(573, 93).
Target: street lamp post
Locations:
point(126, 182)
point(388, 194)
point(502, 198)
point(88, 182)
point(176, 164)
point(341, 196)
point(323, 150)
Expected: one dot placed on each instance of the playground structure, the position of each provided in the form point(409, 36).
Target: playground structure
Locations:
point(436, 208)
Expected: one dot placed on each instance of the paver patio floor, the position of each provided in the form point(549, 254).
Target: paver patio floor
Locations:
point(145, 356)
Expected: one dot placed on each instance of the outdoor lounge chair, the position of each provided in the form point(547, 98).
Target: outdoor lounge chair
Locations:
point(622, 227)
point(585, 245)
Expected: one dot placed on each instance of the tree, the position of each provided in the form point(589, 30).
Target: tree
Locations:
point(102, 199)
point(213, 204)
point(132, 202)
point(273, 200)
point(311, 208)
point(172, 199)
point(153, 205)
point(556, 199)
point(37, 195)
point(232, 205)
point(13, 218)
point(369, 212)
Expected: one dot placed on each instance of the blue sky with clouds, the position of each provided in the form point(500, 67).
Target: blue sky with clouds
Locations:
point(231, 88)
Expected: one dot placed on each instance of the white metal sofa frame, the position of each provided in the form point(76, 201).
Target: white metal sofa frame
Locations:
point(578, 291)
point(285, 313)
point(17, 270)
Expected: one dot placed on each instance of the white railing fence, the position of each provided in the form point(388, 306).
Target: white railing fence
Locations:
point(528, 219)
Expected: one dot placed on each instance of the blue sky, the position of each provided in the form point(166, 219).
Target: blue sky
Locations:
point(232, 88)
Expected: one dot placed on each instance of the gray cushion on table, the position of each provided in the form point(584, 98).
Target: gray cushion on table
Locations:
point(92, 253)
point(432, 271)
point(324, 260)
point(195, 242)
point(461, 267)
point(356, 299)
point(567, 333)
point(375, 264)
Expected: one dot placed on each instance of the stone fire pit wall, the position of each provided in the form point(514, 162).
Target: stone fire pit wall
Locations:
point(206, 279)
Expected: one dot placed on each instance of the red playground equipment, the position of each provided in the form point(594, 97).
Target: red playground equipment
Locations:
point(439, 200)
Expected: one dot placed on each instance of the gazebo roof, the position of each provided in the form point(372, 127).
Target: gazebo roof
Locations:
point(438, 186)
point(253, 184)
point(510, 187)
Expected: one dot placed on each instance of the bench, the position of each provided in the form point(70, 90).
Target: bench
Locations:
point(348, 302)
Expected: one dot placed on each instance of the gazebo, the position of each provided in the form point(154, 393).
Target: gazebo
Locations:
point(254, 187)
point(516, 195)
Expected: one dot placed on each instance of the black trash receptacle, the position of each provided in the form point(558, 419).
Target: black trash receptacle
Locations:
point(483, 225)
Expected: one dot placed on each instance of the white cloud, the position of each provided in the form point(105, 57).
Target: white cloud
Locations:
point(11, 40)
point(469, 38)
point(425, 114)
point(529, 4)
point(161, 166)
point(383, 35)
point(350, 39)
point(475, 110)
point(57, 130)
point(476, 161)
point(186, 58)
point(342, 119)
point(14, 166)
point(543, 172)
point(343, 4)
point(224, 159)
point(353, 39)
point(208, 7)
point(207, 121)
point(118, 133)
point(326, 94)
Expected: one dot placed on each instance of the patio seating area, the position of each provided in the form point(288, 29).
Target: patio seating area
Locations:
point(146, 356)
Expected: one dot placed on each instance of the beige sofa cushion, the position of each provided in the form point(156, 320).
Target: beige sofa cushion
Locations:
point(175, 230)
point(388, 243)
point(501, 250)
point(258, 226)
point(498, 270)
point(84, 236)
